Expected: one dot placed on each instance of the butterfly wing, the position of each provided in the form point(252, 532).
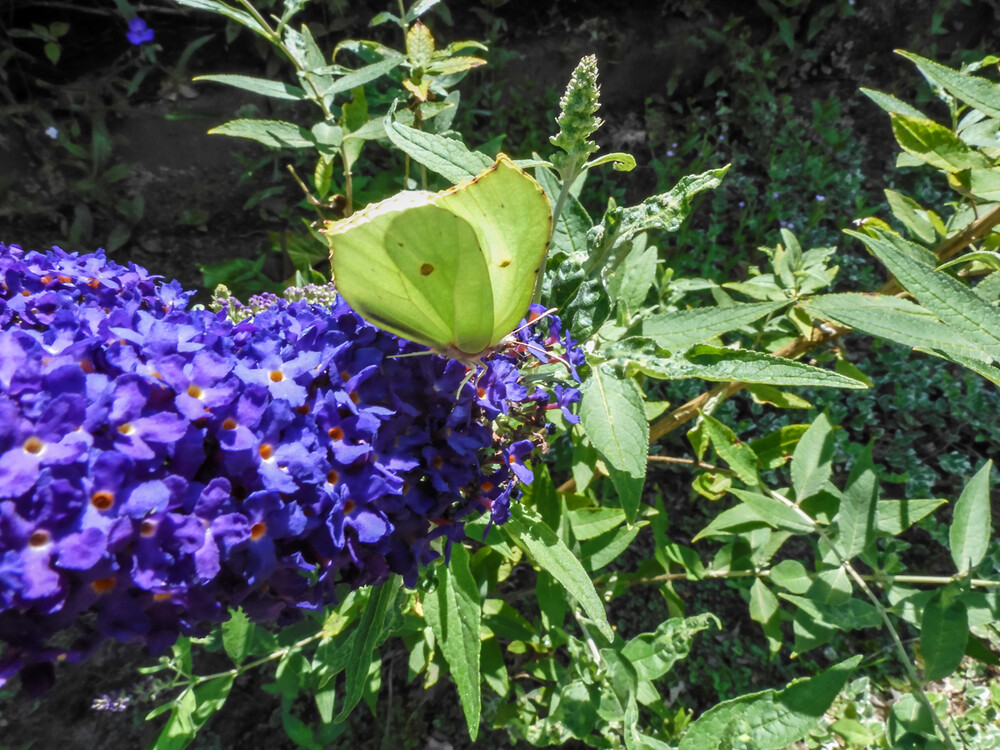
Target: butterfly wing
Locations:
point(445, 270)
point(453, 270)
point(416, 270)
point(512, 220)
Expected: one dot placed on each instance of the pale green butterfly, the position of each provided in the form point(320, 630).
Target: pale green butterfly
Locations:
point(453, 270)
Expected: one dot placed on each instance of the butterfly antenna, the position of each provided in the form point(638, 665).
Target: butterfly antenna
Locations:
point(412, 354)
point(532, 322)
point(468, 377)
point(545, 354)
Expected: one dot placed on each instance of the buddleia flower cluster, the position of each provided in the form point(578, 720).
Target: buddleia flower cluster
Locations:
point(161, 463)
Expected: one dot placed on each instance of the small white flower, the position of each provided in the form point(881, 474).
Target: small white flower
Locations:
point(52, 132)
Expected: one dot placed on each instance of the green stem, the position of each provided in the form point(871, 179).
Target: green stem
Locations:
point(275, 38)
point(569, 177)
point(732, 574)
point(237, 671)
point(911, 670)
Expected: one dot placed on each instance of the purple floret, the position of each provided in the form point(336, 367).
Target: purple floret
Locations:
point(160, 464)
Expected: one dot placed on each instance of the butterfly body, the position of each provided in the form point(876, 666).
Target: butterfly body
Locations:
point(453, 270)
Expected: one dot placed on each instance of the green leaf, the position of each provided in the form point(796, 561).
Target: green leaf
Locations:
point(446, 156)
point(237, 632)
point(654, 654)
point(770, 720)
point(944, 631)
point(891, 104)
point(550, 553)
point(667, 211)
point(262, 86)
point(192, 710)
point(792, 576)
point(768, 394)
point(950, 300)
point(978, 649)
point(589, 523)
point(678, 331)
point(370, 633)
point(774, 512)
point(241, 17)
point(613, 417)
point(364, 75)
point(763, 603)
point(629, 284)
point(969, 535)
point(719, 365)
point(775, 450)
point(737, 520)
point(619, 161)
point(895, 516)
point(914, 217)
point(852, 731)
point(812, 461)
point(980, 92)
point(273, 133)
point(892, 318)
point(857, 519)
point(985, 184)
point(598, 552)
point(740, 456)
point(454, 613)
point(935, 144)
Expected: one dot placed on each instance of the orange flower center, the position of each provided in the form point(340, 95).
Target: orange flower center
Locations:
point(102, 499)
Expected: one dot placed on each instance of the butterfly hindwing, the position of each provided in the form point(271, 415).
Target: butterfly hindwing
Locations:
point(453, 270)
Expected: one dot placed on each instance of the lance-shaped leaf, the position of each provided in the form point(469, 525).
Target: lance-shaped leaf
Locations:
point(891, 104)
point(369, 635)
point(262, 86)
point(895, 319)
point(944, 631)
point(896, 516)
point(775, 513)
point(812, 461)
point(980, 92)
point(969, 535)
point(531, 534)
point(273, 133)
point(446, 156)
point(857, 519)
point(740, 456)
point(770, 719)
point(951, 301)
point(613, 416)
point(234, 14)
point(720, 365)
point(454, 612)
point(654, 654)
point(667, 211)
point(678, 331)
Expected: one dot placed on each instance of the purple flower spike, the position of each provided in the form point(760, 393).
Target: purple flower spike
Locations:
point(160, 465)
